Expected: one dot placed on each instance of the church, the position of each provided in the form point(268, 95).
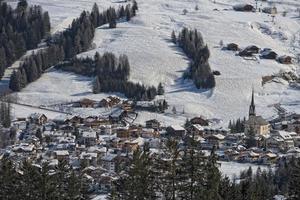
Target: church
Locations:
point(256, 123)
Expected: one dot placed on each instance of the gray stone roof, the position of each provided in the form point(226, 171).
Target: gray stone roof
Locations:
point(257, 120)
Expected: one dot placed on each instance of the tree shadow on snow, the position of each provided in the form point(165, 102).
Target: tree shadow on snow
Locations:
point(187, 85)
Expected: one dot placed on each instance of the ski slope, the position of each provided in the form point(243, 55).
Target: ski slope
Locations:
point(153, 58)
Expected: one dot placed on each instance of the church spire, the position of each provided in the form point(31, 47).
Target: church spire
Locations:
point(252, 106)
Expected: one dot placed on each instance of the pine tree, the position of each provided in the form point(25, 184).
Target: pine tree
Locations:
point(213, 177)
point(294, 182)
point(160, 89)
point(39, 135)
point(193, 171)
point(173, 37)
point(96, 85)
point(14, 83)
point(250, 140)
point(174, 110)
point(168, 171)
point(138, 183)
point(95, 15)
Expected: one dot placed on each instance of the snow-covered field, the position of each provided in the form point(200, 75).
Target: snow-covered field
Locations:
point(153, 58)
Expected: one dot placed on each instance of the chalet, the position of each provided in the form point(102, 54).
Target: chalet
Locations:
point(275, 143)
point(175, 131)
point(195, 129)
point(61, 155)
point(105, 130)
point(117, 115)
point(294, 152)
point(89, 158)
point(89, 138)
point(104, 103)
point(232, 47)
point(269, 10)
point(281, 141)
point(248, 156)
point(133, 145)
point(76, 120)
point(269, 158)
point(87, 103)
point(23, 147)
point(126, 106)
point(285, 59)
point(113, 101)
point(294, 126)
point(105, 183)
point(153, 123)
point(296, 139)
point(109, 162)
point(123, 133)
point(214, 131)
point(215, 140)
point(38, 118)
point(200, 121)
point(231, 141)
point(249, 51)
point(67, 128)
point(150, 133)
point(243, 7)
point(287, 137)
point(96, 122)
point(268, 54)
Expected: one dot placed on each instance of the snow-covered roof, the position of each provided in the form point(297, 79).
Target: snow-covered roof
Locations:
point(61, 153)
point(109, 157)
point(177, 128)
point(198, 127)
point(24, 147)
point(36, 115)
point(89, 134)
point(88, 155)
point(285, 135)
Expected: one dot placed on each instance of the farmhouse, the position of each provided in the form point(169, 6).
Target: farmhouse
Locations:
point(87, 103)
point(200, 121)
point(38, 118)
point(175, 131)
point(153, 123)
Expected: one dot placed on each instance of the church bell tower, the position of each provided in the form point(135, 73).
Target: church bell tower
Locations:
point(252, 106)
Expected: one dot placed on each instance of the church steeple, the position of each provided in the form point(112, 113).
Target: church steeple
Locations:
point(252, 105)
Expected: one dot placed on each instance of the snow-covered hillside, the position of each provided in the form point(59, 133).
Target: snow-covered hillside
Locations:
point(153, 58)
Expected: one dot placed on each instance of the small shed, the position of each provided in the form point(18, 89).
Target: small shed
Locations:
point(249, 51)
point(270, 10)
point(243, 7)
point(268, 54)
point(285, 59)
point(87, 103)
point(232, 47)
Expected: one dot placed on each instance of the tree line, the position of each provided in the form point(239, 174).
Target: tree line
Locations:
point(65, 45)
point(111, 75)
point(185, 173)
point(21, 29)
point(36, 182)
point(192, 43)
point(237, 126)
